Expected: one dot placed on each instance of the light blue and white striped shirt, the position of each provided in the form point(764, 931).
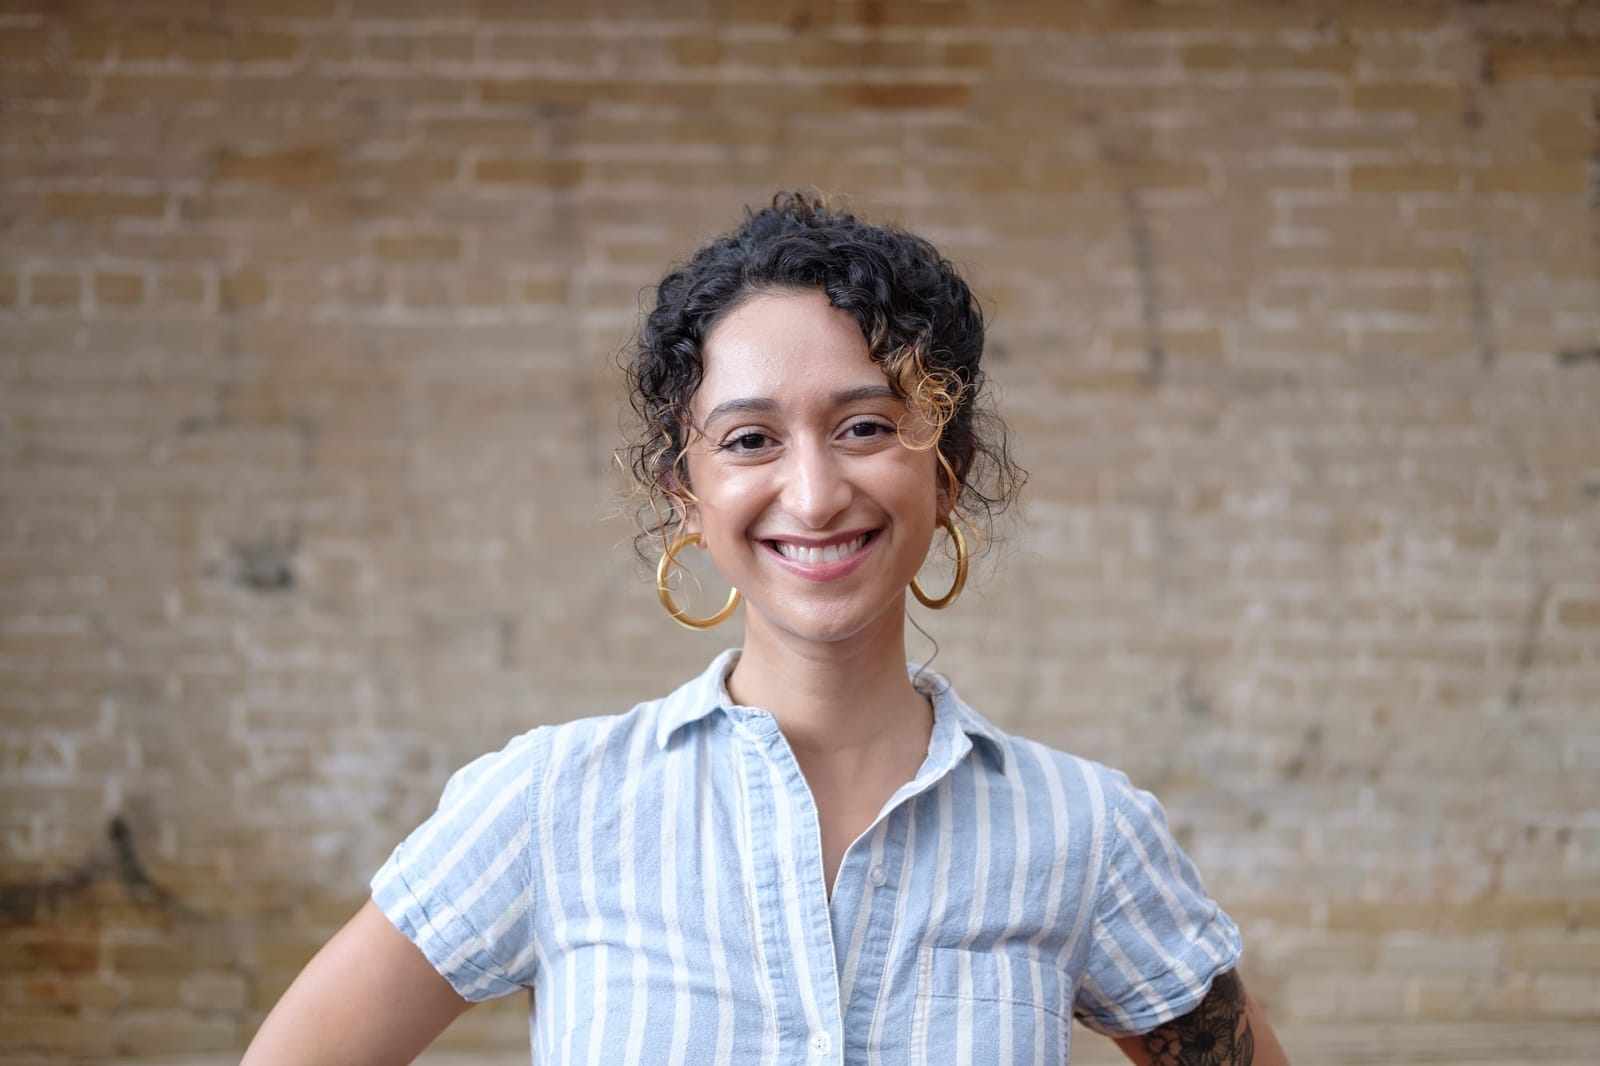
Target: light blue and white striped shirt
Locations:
point(656, 880)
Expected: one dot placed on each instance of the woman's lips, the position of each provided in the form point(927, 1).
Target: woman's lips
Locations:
point(832, 553)
point(826, 563)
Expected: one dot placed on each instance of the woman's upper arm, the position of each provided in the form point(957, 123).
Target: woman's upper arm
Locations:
point(369, 997)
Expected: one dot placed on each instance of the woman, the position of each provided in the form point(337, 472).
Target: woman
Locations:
point(808, 854)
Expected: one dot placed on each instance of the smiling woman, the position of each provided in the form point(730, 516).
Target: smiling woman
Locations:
point(809, 853)
point(804, 492)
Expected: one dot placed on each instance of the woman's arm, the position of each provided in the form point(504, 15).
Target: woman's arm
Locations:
point(368, 998)
point(1227, 1029)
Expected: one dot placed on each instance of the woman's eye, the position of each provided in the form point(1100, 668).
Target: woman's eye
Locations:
point(746, 442)
point(867, 430)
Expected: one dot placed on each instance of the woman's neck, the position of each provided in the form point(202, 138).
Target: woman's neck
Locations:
point(840, 699)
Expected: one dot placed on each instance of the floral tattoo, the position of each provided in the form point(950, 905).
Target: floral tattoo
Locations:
point(1216, 1033)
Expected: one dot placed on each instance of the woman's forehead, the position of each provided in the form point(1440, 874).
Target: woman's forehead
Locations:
point(783, 346)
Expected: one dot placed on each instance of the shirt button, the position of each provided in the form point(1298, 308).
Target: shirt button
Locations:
point(877, 875)
point(821, 1043)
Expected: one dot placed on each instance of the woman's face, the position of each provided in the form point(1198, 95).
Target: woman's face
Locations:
point(805, 496)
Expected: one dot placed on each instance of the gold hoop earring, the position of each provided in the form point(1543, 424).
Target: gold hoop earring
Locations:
point(961, 572)
point(664, 570)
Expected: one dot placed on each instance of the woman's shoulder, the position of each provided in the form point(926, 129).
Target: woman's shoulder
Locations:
point(1035, 763)
point(1077, 776)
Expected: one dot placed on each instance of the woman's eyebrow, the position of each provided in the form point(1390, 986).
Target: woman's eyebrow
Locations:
point(863, 392)
point(766, 405)
point(748, 405)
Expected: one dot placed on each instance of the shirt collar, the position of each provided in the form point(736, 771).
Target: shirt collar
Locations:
point(697, 698)
point(708, 693)
point(957, 721)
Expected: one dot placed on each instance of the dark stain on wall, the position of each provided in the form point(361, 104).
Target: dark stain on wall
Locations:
point(116, 861)
point(265, 563)
point(1594, 165)
point(1480, 315)
point(1527, 648)
point(1308, 755)
point(1142, 247)
point(1575, 357)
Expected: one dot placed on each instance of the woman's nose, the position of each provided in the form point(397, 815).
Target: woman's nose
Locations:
point(816, 489)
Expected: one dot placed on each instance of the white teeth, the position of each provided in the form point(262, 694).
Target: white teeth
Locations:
point(831, 554)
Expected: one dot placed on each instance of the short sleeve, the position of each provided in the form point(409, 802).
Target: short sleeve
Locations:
point(460, 886)
point(1156, 940)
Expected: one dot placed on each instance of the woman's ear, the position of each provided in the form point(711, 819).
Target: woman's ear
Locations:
point(949, 486)
point(688, 515)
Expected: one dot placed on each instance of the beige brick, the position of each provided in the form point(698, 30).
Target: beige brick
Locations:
point(1376, 998)
point(554, 173)
point(418, 246)
point(1459, 996)
point(1256, 59)
point(1392, 54)
point(1421, 98)
point(59, 1035)
point(89, 43)
point(218, 43)
point(64, 951)
point(1406, 953)
point(698, 50)
point(901, 96)
point(34, 84)
point(1366, 16)
point(244, 289)
point(284, 9)
point(143, 41)
point(1412, 177)
point(545, 291)
point(54, 290)
point(24, 42)
point(214, 991)
point(1537, 60)
point(1566, 953)
point(978, 55)
point(1572, 996)
point(483, 132)
point(1168, 174)
point(1252, 16)
point(118, 289)
point(181, 288)
point(163, 1034)
point(1555, 179)
point(303, 166)
point(546, 91)
point(90, 207)
point(1579, 613)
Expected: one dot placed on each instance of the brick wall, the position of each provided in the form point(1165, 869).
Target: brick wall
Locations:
point(308, 312)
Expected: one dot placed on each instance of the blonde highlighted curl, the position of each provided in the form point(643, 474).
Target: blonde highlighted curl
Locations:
point(920, 320)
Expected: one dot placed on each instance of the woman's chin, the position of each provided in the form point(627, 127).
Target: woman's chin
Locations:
point(824, 623)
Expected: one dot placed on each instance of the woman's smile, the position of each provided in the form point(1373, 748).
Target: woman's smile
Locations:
point(828, 560)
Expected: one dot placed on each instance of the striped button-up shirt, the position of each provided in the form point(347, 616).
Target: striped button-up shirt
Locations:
point(656, 881)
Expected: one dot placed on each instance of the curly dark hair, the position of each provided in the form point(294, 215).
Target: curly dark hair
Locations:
point(920, 320)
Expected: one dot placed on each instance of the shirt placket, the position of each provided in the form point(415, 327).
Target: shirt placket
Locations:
point(789, 896)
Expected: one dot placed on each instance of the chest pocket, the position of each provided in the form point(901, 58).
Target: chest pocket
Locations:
point(994, 1006)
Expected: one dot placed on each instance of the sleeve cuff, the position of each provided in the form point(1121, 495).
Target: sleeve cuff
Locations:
point(1172, 994)
point(432, 925)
